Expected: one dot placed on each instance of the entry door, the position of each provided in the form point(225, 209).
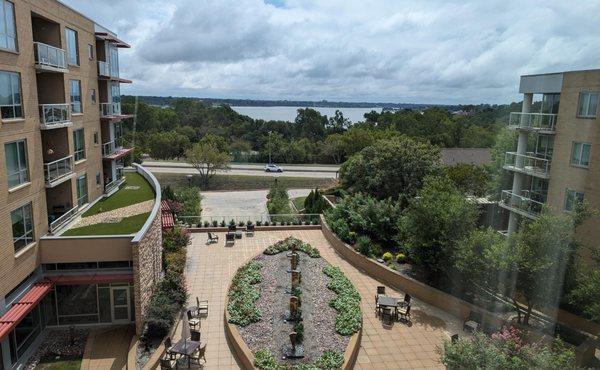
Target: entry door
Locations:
point(119, 301)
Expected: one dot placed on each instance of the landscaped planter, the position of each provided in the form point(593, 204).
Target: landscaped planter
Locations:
point(220, 229)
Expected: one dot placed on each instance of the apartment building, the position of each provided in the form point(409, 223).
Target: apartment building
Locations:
point(62, 151)
point(557, 160)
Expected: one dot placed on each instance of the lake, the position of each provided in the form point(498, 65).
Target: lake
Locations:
point(289, 113)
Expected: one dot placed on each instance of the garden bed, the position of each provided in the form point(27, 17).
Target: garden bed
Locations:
point(61, 349)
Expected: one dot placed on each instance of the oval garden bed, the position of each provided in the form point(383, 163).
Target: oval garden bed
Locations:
point(314, 306)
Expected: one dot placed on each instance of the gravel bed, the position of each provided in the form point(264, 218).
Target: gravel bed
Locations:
point(58, 345)
point(272, 331)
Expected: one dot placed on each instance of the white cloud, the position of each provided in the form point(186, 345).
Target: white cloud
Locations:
point(397, 51)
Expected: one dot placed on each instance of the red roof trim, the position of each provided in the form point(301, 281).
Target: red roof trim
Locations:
point(168, 222)
point(91, 279)
point(119, 154)
point(19, 310)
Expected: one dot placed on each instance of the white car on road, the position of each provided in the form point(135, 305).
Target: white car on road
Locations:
point(271, 167)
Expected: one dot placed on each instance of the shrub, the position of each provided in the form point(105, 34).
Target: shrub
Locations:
point(286, 244)
point(206, 224)
point(241, 224)
point(190, 201)
point(249, 223)
point(175, 261)
point(167, 193)
point(330, 361)
point(387, 256)
point(259, 223)
point(400, 258)
point(242, 295)
point(264, 360)
point(347, 302)
point(168, 298)
point(363, 244)
point(215, 223)
point(299, 329)
point(223, 224)
point(175, 239)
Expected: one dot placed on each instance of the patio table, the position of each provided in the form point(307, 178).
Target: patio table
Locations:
point(387, 301)
point(185, 348)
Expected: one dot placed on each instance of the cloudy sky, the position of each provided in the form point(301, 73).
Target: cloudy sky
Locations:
point(464, 51)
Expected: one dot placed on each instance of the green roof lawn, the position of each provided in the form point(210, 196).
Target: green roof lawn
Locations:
point(128, 225)
point(124, 197)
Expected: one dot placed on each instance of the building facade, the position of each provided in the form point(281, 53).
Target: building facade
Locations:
point(557, 160)
point(62, 151)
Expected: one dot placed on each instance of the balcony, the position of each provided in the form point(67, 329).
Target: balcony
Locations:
point(113, 186)
point(541, 122)
point(105, 72)
point(49, 58)
point(55, 116)
point(110, 110)
point(528, 164)
point(110, 148)
point(521, 204)
point(58, 171)
point(63, 219)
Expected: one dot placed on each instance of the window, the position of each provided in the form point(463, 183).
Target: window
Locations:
point(78, 145)
point(8, 33)
point(98, 179)
point(76, 96)
point(95, 138)
point(10, 95)
point(572, 198)
point(22, 227)
point(82, 194)
point(588, 104)
point(90, 52)
point(72, 50)
point(93, 96)
point(580, 154)
point(16, 163)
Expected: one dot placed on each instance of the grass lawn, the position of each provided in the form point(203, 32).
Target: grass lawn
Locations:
point(60, 364)
point(128, 225)
point(241, 182)
point(299, 202)
point(124, 197)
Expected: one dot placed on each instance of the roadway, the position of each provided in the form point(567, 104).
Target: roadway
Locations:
point(250, 169)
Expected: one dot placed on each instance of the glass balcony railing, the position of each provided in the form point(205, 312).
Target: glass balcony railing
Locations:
point(49, 56)
point(105, 70)
point(529, 164)
point(111, 147)
point(55, 170)
point(523, 204)
point(63, 219)
point(54, 114)
point(533, 121)
point(110, 109)
point(114, 184)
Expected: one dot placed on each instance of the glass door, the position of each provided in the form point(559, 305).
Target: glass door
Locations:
point(119, 302)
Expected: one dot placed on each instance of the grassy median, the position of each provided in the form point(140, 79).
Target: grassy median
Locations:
point(241, 182)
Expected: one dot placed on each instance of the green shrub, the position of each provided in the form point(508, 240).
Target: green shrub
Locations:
point(259, 223)
point(264, 360)
point(215, 223)
point(400, 257)
point(286, 244)
point(347, 302)
point(168, 298)
point(299, 329)
point(330, 361)
point(223, 224)
point(175, 239)
point(241, 224)
point(189, 198)
point(387, 256)
point(167, 193)
point(242, 295)
point(206, 224)
point(363, 244)
point(175, 261)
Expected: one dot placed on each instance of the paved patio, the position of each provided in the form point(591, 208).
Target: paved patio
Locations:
point(211, 267)
point(107, 348)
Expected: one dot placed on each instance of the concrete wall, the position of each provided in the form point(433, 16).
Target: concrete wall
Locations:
point(64, 249)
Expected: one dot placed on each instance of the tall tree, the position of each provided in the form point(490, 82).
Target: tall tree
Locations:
point(207, 159)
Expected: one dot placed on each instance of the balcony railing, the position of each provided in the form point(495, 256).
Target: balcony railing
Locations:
point(63, 219)
point(533, 121)
point(49, 56)
point(111, 147)
point(522, 204)
point(528, 164)
point(105, 70)
point(114, 184)
point(56, 170)
point(55, 115)
point(110, 109)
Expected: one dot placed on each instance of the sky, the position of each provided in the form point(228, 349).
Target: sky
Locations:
point(436, 52)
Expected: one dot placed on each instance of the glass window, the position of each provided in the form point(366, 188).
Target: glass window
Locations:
point(588, 104)
point(25, 334)
point(22, 227)
point(580, 154)
point(8, 33)
point(76, 96)
point(77, 304)
point(82, 193)
point(78, 144)
point(90, 52)
point(95, 138)
point(93, 96)
point(572, 198)
point(72, 48)
point(16, 163)
point(98, 179)
point(10, 95)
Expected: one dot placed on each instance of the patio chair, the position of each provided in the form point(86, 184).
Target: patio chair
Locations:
point(212, 238)
point(193, 321)
point(202, 307)
point(230, 238)
point(200, 353)
point(168, 348)
point(386, 315)
point(472, 322)
point(195, 335)
point(407, 299)
point(454, 338)
point(168, 363)
point(404, 313)
point(250, 230)
point(380, 291)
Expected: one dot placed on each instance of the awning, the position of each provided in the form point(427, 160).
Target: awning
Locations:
point(110, 38)
point(19, 310)
point(90, 279)
point(118, 154)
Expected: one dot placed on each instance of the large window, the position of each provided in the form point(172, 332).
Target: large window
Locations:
point(78, 144)
point(16, 163)
point(25, 334)
point(22, 227)
point(8, 33)
point(72, 47)
point(76, 96)
point(10, 95)
point(572, 198)
point(82, 191)
point(580, 154)
point(588, 104)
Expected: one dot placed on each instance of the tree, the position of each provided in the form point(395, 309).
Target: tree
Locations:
point(468, 178)
point(310, 123)
point(501, 179)
point(392, 168)
point(166, 145)
point(207, 159)
point(586, 294)
point(314, 203)
point(334, 147)
point(505, 350)
point(338, 123)
point(434, 222)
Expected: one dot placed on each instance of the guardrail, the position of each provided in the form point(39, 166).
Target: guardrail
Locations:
point(527, 163)
point(57, 169)
point(521, 204)
point(110, 109)
point(533, 121)
point(54, 114)
point(263, 219)
point(113, 185)
point(50, 56)
point(105, 70)
point(64, 219)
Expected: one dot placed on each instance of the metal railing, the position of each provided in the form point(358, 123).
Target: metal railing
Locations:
point(50, 56)
point(110, 109)
point(113, 185)
point(258, 220)
point(57, 169)
point(521, 204)
point(527, 163)
point(105, 70)
point(108, 148)
point(64, 219)
point(533, 121)
point(54, 114)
